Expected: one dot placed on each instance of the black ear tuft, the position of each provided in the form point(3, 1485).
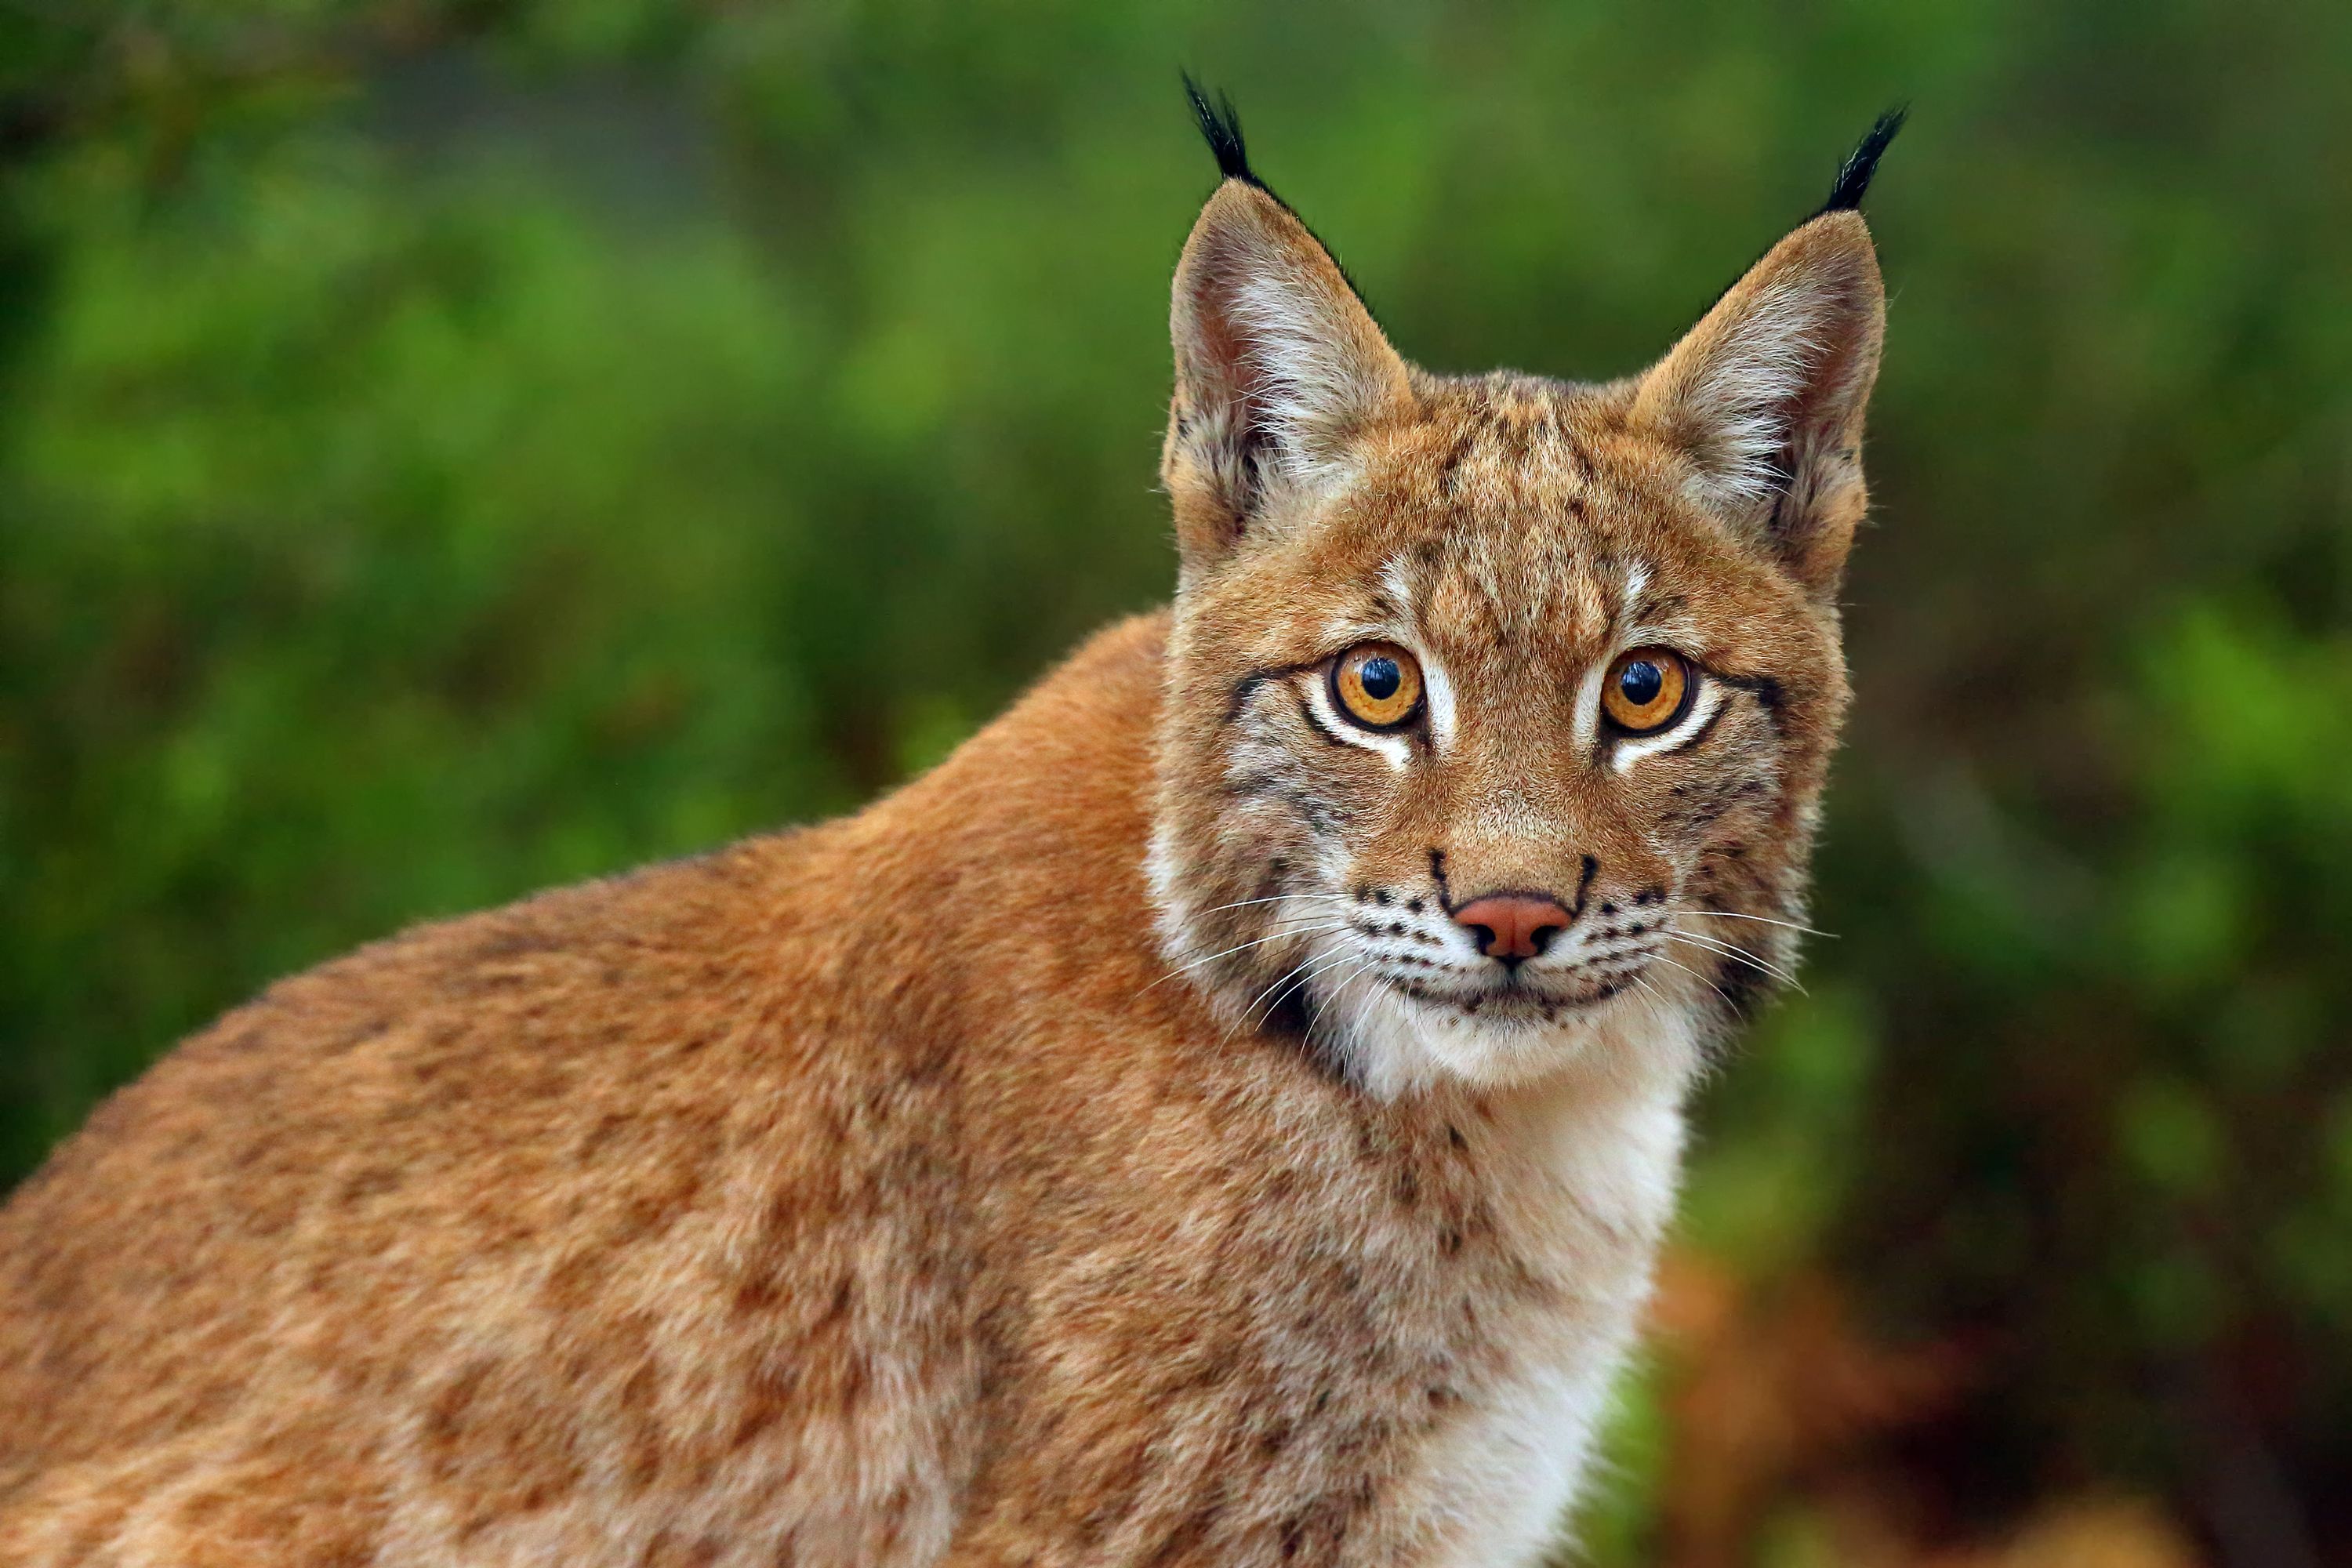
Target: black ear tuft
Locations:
point(1854, 174)
point(1221, 125)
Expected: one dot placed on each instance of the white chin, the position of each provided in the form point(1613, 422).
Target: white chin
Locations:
point(1398, 1044)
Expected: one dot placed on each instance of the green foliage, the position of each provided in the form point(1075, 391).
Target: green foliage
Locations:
point(446, 449)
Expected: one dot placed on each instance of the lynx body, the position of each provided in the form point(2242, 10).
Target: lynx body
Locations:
point(1225, 1114)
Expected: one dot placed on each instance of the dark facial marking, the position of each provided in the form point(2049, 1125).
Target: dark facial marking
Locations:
point(1763, 688)
point(1448, 475)
point(1247, 687)
point(1698, 734)
point(1323, 731)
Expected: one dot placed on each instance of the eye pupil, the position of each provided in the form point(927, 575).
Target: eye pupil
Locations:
point(1378, 685)
point(1647, 690)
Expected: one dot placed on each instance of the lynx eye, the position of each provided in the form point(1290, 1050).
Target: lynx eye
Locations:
point(1647, 689)
point(1377, 684)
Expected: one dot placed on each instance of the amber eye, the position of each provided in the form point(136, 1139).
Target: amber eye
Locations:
point(1646, 690)
point(1377, 684)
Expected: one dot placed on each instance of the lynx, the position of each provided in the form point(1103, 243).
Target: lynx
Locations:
point(1225, 1114)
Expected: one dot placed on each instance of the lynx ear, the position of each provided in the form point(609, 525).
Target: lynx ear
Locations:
point(1764, 398)
point(1278, 362)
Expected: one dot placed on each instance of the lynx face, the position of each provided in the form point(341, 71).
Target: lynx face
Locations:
point(1498, 709)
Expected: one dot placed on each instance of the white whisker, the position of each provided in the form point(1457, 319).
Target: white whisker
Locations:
point(1763, 920)
point(1338, 991)
point(1694, 974)
point(1300, 976)
point(1261, 941)
point(1734, 952)
point(1654, 993)
point(1277, 899)
point(1731, 950)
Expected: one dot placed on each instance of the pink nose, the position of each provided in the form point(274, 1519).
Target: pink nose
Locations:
point(1512, 926)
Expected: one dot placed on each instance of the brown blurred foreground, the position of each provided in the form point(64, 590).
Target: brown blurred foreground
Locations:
point(1780, 1409)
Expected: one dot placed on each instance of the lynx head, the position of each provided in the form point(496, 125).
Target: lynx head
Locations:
point(1498, 707)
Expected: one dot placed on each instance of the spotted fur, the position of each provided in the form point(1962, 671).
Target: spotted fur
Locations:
point(1108, 1149)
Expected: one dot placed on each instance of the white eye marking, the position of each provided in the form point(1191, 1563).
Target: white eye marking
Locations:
point(1438, 692)
point(1400, 588)
point(1677, 631)
point(1701, 712)
point(1630, 635)
point(1637, 577)
point(1587, 703)
point(1393, 744)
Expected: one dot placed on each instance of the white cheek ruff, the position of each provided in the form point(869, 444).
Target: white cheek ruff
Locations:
point(1632, 749)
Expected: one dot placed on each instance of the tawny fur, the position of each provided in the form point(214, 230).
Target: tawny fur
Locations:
point(1105, 1150)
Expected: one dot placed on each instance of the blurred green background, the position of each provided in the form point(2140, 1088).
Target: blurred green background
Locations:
point(451, 447)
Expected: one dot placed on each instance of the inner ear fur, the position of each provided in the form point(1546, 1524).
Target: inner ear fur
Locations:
point(1764, 399)
point(1279, 364)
